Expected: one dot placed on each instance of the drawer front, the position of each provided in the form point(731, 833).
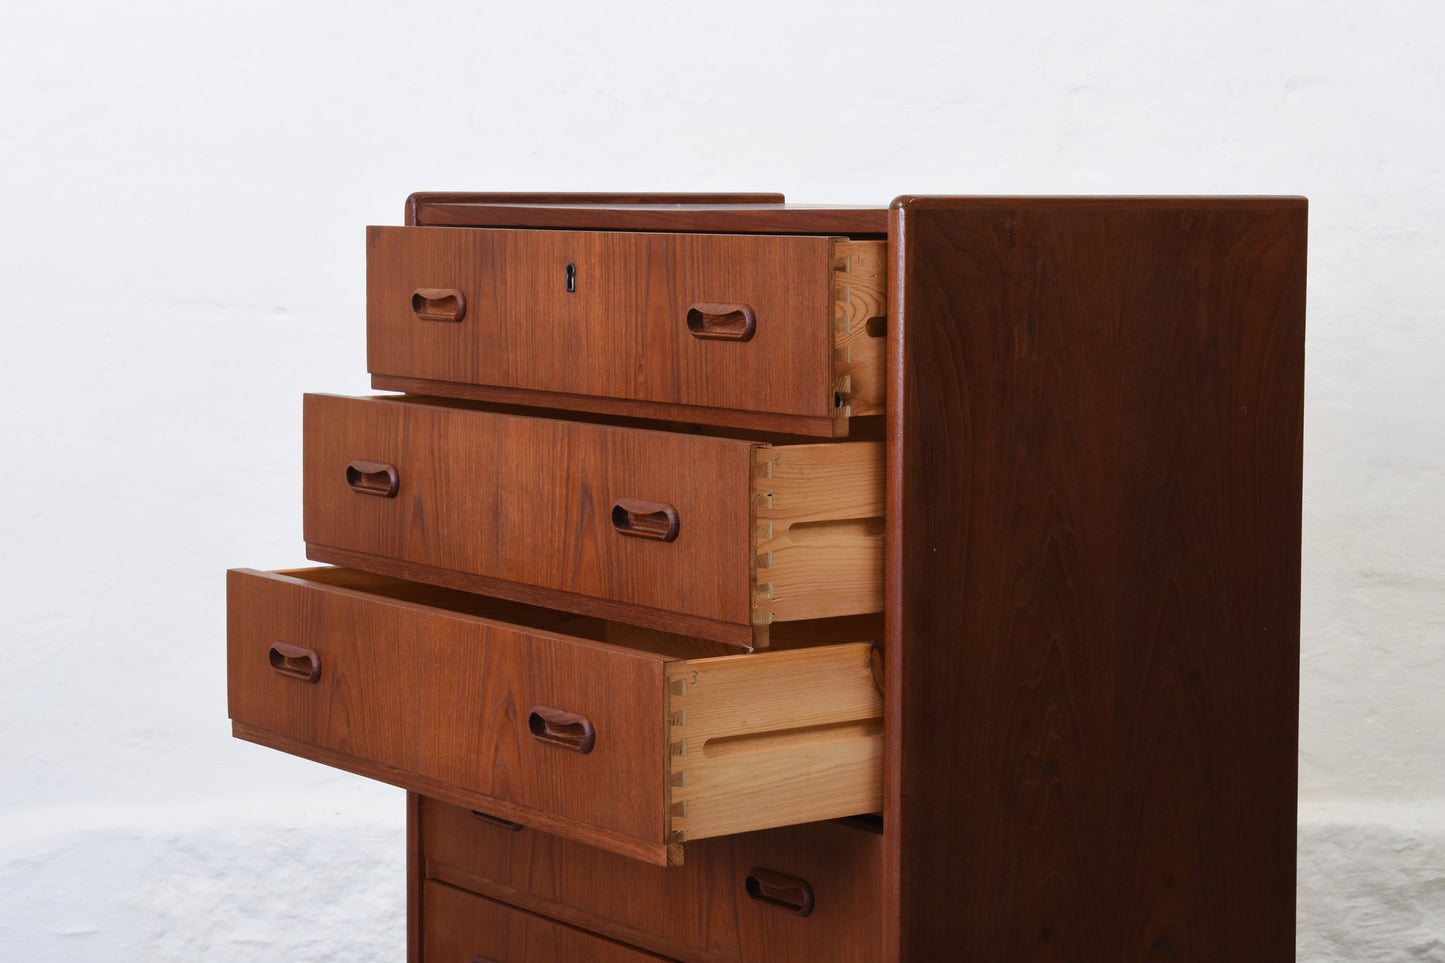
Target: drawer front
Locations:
point(656, 528)
point(443, 702)
point(747, 330)
point(740, 898)
point(459, 927)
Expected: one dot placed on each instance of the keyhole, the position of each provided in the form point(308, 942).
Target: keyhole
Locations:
point(571, 278)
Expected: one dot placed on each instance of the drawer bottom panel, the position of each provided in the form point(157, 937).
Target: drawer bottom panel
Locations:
point(801, 893)
point(459, 927)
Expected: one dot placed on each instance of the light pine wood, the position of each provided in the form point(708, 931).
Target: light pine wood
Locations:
point(818, 524)
point(860, 309)
point(771, 739)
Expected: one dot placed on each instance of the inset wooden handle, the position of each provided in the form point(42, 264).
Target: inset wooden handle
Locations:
point(498, 821)
point(720, 321)
point(373, 478)
point(296, 662)
point(559, 727)
point(640, 519)
point(785, 892)
point(439, 304)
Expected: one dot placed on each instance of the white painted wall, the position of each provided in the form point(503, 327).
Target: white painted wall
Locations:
point(184, 188)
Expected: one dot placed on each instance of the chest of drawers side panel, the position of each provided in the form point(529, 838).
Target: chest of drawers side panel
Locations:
point(1094, 582)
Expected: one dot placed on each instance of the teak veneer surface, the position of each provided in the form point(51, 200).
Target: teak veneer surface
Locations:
point(600, 321)
point(523, 507)
point(699, 912)
point(440, 700)
point(1094, 487)
point(458, 927)
point(742, 213)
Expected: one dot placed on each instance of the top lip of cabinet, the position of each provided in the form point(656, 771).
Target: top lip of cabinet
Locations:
point(669, 213)
point(759, 213)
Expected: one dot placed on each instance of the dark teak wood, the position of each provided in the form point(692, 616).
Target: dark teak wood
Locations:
point(700, 912)
point(1093, 615)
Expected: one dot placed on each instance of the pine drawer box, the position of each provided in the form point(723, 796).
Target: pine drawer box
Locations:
point(743, 582)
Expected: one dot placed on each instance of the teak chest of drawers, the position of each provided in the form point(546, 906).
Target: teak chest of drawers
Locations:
point(737, 581)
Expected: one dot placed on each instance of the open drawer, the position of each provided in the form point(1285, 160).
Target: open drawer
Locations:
point(708, 536)
point(781, 333)
point(532, 716)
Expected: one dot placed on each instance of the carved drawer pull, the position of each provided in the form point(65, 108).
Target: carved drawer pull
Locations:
point(785, 892)
point(640, 519)
point(439, 304)
point(719, 321)
point(498, 821)
point(373, 478)
point(558, 727)
point(296, 662)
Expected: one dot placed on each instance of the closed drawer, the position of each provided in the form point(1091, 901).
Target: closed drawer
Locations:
point(778, 333)
point(495, 707)
point(801, 893)
point(706, 536)
point(460, 927)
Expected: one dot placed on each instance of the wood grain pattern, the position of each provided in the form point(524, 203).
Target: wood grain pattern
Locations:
point(523, 506)
point(421, 204)
point(528, 502)
point(860, 311)
point(445, 696)
point(415, 876)
point(1094, 482)
point(818, 517)
point(462, 928)
point(772, 739)
point(699, 912)
point(438, 701)
point(684, 416)
point(622, 333)
point(736, 213)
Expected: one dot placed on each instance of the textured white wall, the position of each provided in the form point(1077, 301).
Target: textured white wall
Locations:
point(184, 188)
